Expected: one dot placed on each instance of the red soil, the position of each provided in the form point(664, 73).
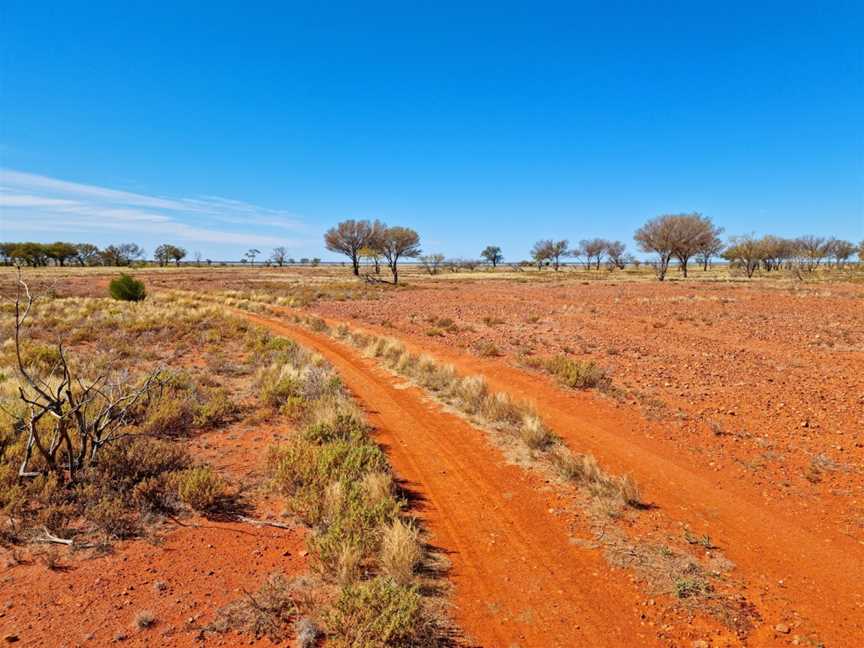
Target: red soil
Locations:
point(203, 564)
point(520, 577)
point(770, 361)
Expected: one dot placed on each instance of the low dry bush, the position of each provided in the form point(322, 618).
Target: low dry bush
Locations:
point(577, 374)
point(269, 612)
point(401, 551)
point(202, 489)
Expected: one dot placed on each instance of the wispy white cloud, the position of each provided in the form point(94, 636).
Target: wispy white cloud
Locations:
point(35, 203)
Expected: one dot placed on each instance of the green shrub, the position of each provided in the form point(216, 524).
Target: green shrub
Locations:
point(125, 464)
point(216, 409)
point(379, 613)
point(201, 488)
point(302, 470)
point(577, 374)
point(126, 288)
point(342, 427)
point(112, 517)
point(168, 417)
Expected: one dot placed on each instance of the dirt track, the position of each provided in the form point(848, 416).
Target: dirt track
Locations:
point(798, 574)
point(519, 579)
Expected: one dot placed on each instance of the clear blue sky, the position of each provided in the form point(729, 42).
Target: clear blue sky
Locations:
point(498, 123)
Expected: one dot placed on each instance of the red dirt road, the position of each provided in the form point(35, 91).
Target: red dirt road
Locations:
point(799, 572)
point(519, 579)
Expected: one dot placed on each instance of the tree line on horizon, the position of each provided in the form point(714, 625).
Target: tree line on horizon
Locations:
point(681, 238)
point(60, 253)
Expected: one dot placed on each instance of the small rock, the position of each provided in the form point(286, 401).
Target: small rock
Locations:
point(10, 638)
point(782, 628)
point(699, 643)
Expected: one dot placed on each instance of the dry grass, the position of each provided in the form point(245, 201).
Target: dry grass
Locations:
point(471, 395)
point(401, 551)
point(144, 619)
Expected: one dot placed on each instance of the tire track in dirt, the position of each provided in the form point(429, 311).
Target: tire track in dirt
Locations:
point(797, 568)
point(519, 580)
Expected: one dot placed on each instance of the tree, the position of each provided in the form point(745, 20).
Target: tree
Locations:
point(279, 255)
point(251, 254)
point(167, 252)
point(615, 252)
point(350, 236)
point(745, 252)
point(840, 251)
point(197, 256)
point(161, 254)
point(373, 254)
point(541, 252)
point(811, 251)
point(86, 254)
point(61, 252)
point(709, 247)
point(861, 251)
point(121, 255)
point(397, 242)
point(693, 232)
point(178, 254)
point(493, 255)
point(672, 235)
point(592, 249)
point(6, 250)
point(31, 254)
point(432, 263)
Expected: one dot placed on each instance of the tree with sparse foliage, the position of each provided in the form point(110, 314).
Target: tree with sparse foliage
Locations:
point(593, 251)
point(493, 255)
point(351, 236)
point(693, 233)
point(251, 254)
point(811, 251)
point(658, 235)
point(86, 254)
point(840, 251)
point(279, 255)
point(615, 251)
point(541, 252)
point(121, 255)
point(745, 253)
point(861, 251)
point(398, 242)
point(710, 246)
point(432, 263)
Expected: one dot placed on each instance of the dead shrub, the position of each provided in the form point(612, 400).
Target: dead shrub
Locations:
point(269, 612)
point(144, 619)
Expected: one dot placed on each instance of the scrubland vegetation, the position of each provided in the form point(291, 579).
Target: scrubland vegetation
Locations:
point(128, 363)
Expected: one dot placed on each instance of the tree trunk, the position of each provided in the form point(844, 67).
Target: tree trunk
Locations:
point(355, 264)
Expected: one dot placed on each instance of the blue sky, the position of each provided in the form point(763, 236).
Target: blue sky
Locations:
point(223, 127)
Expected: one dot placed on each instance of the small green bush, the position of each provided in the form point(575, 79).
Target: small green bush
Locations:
point(577, 374)
point(201, 488)
point(127, 288)
point(379, 613)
